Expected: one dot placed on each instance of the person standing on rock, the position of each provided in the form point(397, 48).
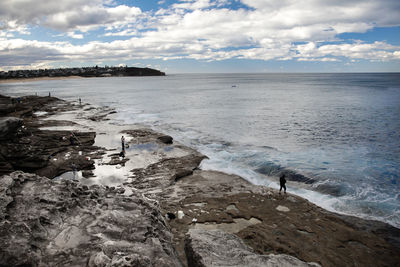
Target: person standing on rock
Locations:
point(282, 181)
point(123, 143)
point(71, 139)
point(73, 167)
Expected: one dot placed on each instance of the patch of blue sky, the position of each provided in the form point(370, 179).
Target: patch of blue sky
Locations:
point(234, 5)
point(49, 35)
point(154, 5)
point(38, 34)
point(235, 48)
point(390, 35)
point(147, 5)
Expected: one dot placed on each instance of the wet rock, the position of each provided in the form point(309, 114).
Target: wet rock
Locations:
point(59, 164)
point(30, 149)
point(8, 127)
point(180, 173)
point(101, 114)
point(166, 139)
point(148, 135)
point(87, 173)
point(217, 248)
point(55, 223)
point(117, 159)
point(45, 152)
point(164, 172)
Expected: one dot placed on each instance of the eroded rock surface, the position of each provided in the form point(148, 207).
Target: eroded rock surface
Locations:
point(24, 146)
point(216, 248)
point(62, 223)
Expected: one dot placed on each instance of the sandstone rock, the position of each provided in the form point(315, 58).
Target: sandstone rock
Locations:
point(61, 223)
point(8, 127)
point(217, 248)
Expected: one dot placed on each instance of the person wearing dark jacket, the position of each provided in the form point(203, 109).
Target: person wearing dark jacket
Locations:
point(123, 143)
point(71, 139)
point(282, 181)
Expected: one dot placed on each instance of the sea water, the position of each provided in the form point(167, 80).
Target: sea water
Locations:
point(337, 135)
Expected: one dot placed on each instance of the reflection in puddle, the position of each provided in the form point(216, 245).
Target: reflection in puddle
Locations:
point(168, 148)
point(40, 113)
point(74, 128)
point(72, 175)
point(146, 146)
point(107, 175)
point(102, 175)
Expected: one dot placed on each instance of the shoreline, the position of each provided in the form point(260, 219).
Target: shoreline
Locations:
point(166, 172)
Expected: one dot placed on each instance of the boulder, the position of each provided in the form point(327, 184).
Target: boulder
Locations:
point(166, 139)
point(8, 127)
point(217, 248)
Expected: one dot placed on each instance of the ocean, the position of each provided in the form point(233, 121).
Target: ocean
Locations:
point(336, 136)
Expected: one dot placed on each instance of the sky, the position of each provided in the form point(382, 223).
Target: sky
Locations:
point(202, 36)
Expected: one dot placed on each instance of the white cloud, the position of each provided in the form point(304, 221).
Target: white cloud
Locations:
point(199, 29)
point(75, 35)
point(69, 15)
point(192, 4)
point(323, 59)
point(17, 52)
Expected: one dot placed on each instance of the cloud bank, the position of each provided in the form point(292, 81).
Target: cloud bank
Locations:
point(203, 30)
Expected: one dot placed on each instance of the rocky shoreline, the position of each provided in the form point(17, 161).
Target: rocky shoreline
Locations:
point(73, 201)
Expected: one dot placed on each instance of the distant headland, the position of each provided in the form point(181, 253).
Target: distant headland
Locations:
point(95, 71)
